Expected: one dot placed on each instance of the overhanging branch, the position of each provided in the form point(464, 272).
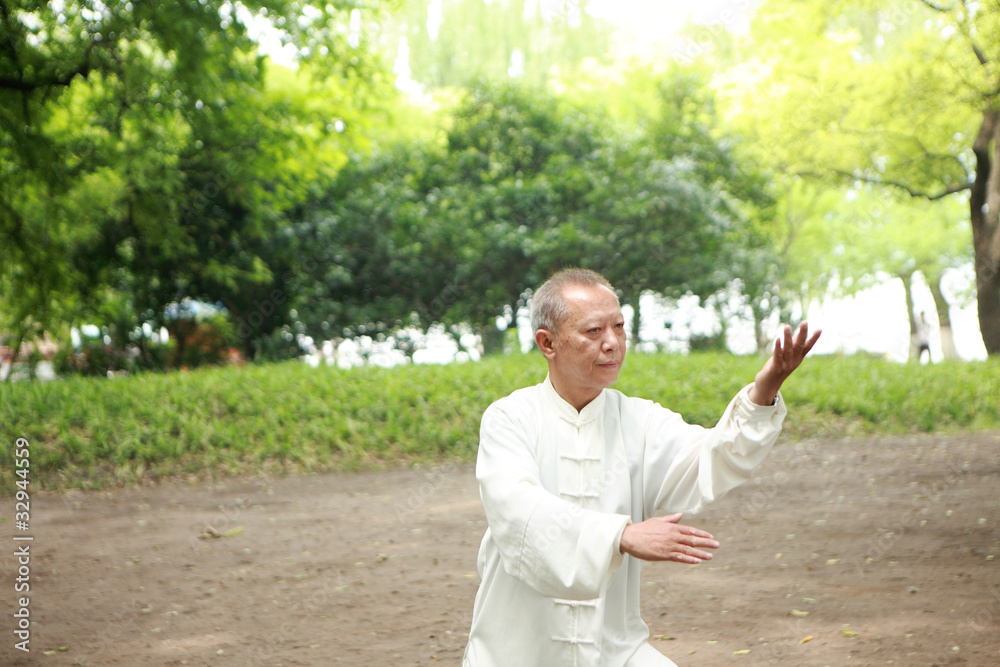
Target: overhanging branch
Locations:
point(936, 7)
point(930, 196)
point(979, 54)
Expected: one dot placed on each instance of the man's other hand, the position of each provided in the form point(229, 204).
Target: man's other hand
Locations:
point(662, 538)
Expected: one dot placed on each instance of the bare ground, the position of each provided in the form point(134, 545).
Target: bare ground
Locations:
point(846, 552)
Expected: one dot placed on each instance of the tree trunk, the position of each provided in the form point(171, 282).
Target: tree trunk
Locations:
point(636, 320)
point(944, 320)
point(984, 207)
point(181, 329)
point(759, 333)
point(16, 352)
point(913, 350)
point(492, 340)
point(246, 342)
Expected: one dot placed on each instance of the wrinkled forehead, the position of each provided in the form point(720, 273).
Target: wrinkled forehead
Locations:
point(590, 302)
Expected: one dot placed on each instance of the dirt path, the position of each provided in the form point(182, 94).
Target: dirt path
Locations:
point(850, 552)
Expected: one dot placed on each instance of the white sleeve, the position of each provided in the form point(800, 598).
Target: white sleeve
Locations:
point(553, 545)
point(688, 467)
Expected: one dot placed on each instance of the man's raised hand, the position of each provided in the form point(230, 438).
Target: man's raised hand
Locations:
point(788, 354)
point(662, 538)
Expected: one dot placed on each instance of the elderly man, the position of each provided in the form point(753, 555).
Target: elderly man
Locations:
point(574, 476)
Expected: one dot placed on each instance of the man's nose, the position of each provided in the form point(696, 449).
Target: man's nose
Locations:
point(611, 340)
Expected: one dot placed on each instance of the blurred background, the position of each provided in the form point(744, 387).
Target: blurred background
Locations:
point(214, 182)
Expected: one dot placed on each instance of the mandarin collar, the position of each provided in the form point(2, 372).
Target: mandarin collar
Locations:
point(567, 412)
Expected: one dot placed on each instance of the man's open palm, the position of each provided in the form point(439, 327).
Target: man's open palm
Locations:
point(788, 355)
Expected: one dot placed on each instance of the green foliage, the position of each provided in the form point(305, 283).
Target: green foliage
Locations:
point(163, 173)
point(477, 40)
point(95, 358)
point(686, 208)
point(148, 155)
point(707, 343)
point(202, 340)
point(856, 89)
point(526, 183)
point(443, 234)
point(288, 417)
point(902, 95)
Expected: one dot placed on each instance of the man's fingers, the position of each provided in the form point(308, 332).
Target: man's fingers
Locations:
point(686, 530)
point(695, 537)
point(697, 532)
point(707, 543)
point(778, 347)
point(812, 340)
point(692, 557)
point(791, 350)
point(701, 539)
point(801, 334)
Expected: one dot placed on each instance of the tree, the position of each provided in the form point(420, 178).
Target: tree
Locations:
point(524, 184)
point(838, 241)
point(450, 234)
point(684, 206)
point(656, 227)
point(904, 95)
point(144, 147)
point(886, 223)
point(371, 251)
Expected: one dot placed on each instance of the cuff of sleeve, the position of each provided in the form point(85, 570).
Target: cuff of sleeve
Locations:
point(618, 535)
point(616, 552)
point(747, 409)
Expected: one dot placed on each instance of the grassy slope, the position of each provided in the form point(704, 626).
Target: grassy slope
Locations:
point(289, 417)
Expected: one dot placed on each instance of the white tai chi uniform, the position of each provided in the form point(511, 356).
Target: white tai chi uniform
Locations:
point(559, 487)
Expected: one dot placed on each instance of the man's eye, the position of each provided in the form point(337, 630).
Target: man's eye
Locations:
point(620, 325)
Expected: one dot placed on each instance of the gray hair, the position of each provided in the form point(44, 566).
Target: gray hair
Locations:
point(548, 306)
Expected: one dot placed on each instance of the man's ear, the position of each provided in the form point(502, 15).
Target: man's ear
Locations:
point(546, 341)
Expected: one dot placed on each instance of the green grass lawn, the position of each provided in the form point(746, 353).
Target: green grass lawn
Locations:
point(95, 433)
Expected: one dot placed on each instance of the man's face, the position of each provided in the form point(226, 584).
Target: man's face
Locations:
point(589, 348)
